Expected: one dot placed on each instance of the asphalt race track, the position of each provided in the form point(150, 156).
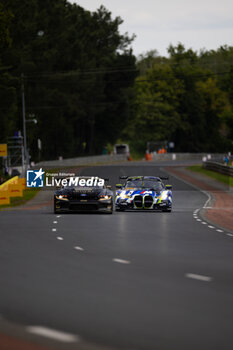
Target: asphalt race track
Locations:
point(131, 280)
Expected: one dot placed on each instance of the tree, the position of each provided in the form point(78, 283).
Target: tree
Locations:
point(7, 82)
point(74, 62)
point(154, 114)
point(182, 100)
point(5, 18)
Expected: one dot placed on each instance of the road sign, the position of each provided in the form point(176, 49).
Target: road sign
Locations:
point(3, 150)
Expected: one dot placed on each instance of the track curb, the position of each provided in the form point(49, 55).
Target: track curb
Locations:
point(215, 213)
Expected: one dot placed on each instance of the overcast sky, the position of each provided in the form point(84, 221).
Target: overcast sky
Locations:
point(158, 23)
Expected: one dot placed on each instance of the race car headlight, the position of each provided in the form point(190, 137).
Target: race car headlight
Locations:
point(164, 196)
point(124, 196)
point(62, 196)
point(104, 197)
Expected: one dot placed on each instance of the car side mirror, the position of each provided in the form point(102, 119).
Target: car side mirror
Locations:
point(119, 185)
point(168, 187)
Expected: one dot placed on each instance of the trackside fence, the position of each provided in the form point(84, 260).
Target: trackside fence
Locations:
point(185, 156)
point(218, 167)
point(105, 158)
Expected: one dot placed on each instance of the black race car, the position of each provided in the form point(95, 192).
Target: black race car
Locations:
point(74, 197)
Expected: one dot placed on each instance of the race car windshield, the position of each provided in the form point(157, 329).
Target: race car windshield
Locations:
point(155, 185)
point(149, 184)
point(134, 184)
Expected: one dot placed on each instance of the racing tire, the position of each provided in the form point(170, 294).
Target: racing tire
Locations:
point(119, 209)
point(111, 211)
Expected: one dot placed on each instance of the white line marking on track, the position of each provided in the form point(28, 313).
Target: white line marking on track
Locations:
point(192, 185)
point(198, 219)
point(230, 234)
point(60, 238)
point(204, 223)
point(121, 261)
point(53, 334)
point(79, 248)
point(210, 226)
point(54, 229)
point(58, 216)
point(199, 277)
point(208, 200)
point(55, 222)
point(219, 230)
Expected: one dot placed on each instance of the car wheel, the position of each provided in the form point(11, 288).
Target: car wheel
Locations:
point(111, 209)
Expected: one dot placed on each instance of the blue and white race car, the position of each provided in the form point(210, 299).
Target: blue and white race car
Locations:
point(143, 193)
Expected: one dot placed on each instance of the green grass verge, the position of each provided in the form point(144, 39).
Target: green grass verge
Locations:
point(228, 180)
point(28, 194)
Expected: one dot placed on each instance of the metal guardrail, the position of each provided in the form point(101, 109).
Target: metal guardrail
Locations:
point(185, 156)
point(122, 157)
point(106, 158)
point(218, 167)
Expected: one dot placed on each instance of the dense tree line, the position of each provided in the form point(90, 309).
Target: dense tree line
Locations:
point(83, 85)
point(186, 98)
point(77, 70)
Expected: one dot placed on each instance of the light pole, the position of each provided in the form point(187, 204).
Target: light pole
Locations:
point(40, 33)
point(24, 124)
point(34, 120)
